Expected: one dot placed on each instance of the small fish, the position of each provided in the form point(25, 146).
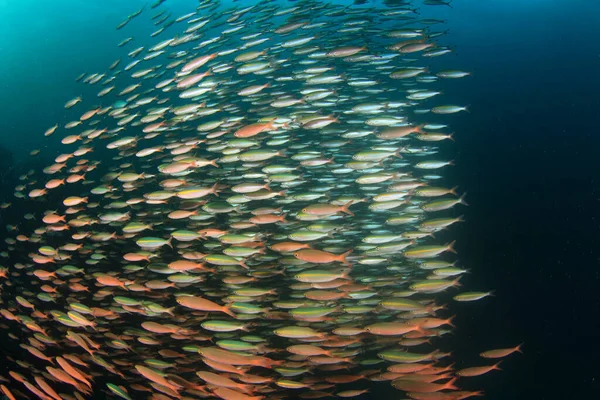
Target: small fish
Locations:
point(250, 207)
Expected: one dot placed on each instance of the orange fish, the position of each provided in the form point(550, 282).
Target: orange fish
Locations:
point(327, 209)
point(228, 394)
point(321, 257)
point(7, 392)
point(156, 377)
point(423, 387)
point(201, 304)
point(253, 129)
point(476, 371)
point(499, 353)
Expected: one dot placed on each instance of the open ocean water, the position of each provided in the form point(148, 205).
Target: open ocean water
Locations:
point(525, 153)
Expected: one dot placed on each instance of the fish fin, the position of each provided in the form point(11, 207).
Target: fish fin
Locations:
point(450, 384)
point(215, 189)
point(456, 282)
point(449, 321)
point(518, 348)
point(342, 257)
point(345, 209)
point(227, 310)
point(450, 247)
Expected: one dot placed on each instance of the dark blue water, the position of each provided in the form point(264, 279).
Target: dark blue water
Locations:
point(528, 159)
point(527, 154)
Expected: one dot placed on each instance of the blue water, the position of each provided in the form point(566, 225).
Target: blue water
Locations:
point(527, 154)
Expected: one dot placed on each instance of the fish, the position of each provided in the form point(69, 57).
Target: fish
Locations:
point(247, 209)
point(157, 3)
point(499, 353)
point(477, 371)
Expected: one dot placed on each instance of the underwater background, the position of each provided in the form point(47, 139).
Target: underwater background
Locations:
point(527, 154)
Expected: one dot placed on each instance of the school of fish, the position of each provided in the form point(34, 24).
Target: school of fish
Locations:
point(247, 207)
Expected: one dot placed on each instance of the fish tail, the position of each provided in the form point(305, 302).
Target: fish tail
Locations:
point(461, 199)
point(518, 348)
point(342, 257)
point(215, 189)
point(450, 384)
point(227, 310)
point(456, 282)
point(345, 209)
point(450, 247)
point(449, 321)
